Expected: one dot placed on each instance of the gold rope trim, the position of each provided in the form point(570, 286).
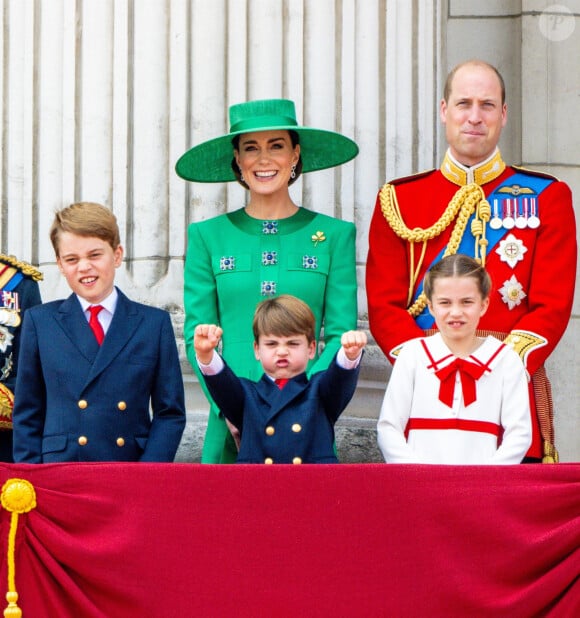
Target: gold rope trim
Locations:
point(18, 496)
point(523, 342)
point(6, 405)
point(464, 203)
point(26, 268)
point(545, 411)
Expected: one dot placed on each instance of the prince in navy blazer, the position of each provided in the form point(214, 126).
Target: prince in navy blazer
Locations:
point(284, 417)
point(80, 400)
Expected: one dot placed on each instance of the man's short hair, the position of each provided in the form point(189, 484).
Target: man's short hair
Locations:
point(474, 62)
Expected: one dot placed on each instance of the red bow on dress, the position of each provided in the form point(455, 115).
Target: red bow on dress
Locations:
point(469, 373)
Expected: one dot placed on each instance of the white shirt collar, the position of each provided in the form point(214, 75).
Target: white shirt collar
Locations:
point(109, 303)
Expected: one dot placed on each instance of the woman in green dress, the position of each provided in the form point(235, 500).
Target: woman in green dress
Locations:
point(268, 248)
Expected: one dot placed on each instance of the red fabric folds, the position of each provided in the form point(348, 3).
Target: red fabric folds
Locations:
point(151, 540)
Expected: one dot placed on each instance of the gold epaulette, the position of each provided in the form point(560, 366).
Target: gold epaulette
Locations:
point(6, 405)
point(525, 170)
point(523, 342)
point(403, 179)
point(24, 267)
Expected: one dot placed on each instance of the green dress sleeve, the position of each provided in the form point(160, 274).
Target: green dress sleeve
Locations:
point(340, 298)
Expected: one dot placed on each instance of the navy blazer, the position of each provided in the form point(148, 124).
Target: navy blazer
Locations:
point(292, 425)
point(78, 401)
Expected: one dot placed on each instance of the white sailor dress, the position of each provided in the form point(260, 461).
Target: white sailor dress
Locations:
point(440, 409)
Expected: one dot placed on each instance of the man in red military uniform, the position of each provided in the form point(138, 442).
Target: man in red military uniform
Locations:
point(519, 223)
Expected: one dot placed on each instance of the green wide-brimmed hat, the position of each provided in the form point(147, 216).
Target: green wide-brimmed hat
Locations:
point(211, 161)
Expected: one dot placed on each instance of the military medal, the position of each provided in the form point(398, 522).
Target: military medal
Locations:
point(522, 213)
point(508, 220)
point(511, 250)
point(533, 219)
point(8, 364)
point(5, 338)
point(512, 292)
point(496, 222)
point(9, 309)
point(9, 317)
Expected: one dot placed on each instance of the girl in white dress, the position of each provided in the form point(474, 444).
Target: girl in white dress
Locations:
point(454, 397)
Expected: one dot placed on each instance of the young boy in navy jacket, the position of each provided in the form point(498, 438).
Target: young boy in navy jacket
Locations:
point(284, 417)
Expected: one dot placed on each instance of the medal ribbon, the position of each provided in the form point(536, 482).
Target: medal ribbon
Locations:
point(467, 245)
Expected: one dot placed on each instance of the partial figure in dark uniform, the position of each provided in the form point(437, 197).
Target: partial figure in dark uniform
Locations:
point(517, 223)
point(18, 291)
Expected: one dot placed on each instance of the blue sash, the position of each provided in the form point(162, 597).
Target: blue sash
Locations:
point(14, 281)
point(534, 185)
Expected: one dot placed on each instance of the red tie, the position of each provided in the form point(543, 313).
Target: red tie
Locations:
point(94, 323)
point(281, 382)
point(468, 373)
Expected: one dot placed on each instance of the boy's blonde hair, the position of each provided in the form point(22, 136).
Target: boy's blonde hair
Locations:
point(85, 219)
point(284, 316)
point(457, 265)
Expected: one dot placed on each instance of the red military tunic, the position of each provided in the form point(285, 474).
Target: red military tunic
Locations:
point(533, 268)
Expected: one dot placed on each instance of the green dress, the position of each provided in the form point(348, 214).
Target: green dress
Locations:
point(235, 261)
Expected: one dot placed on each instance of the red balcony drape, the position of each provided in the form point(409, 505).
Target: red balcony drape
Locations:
point(160, 540)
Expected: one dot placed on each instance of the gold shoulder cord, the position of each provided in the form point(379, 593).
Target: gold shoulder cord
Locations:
point(463, 204)
point(25, 267)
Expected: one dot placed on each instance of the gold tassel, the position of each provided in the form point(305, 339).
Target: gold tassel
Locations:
point(18, 496)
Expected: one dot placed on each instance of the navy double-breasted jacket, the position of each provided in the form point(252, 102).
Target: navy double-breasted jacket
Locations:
point(292, 425)
point(78, 401)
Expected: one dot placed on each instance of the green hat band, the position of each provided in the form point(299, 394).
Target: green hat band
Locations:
point(253, 124)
